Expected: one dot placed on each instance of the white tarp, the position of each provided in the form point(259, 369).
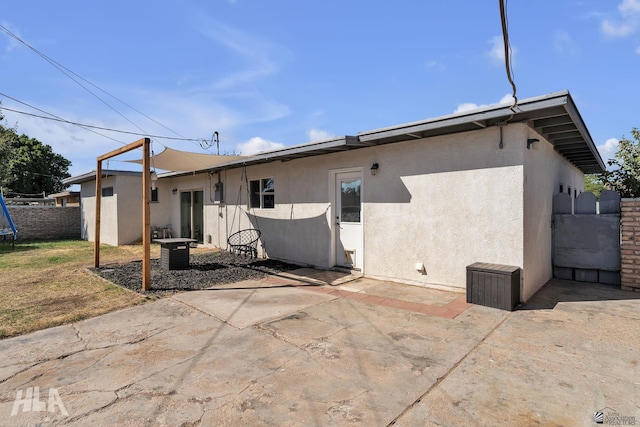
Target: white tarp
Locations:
point(184, 161)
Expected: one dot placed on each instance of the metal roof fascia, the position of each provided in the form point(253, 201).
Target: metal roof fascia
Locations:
point(91, 176)
point(495, 112)
point(582, 128)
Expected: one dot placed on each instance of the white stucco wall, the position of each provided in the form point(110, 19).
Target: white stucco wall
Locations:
point(544, 171)
point(297, 229)
point(447, 202)
point(108, 212)
point(128, 196)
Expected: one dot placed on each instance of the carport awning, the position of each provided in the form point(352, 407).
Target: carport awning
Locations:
point(184, 161)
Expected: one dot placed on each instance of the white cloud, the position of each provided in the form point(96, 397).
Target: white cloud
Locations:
point(609, 148)
point(318, 135)
point(629, 7)
point(497, 49)
point(260, 55)
point(564, 44)
point(638, 50)
point(619, 30)
point(13, 43)
point(257, 145)
point(468, 106)
point(628, 22)
point(507, 99)
point(435, 65)
point(496, 53)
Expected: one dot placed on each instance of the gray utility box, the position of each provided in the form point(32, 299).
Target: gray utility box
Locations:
point(493, 285)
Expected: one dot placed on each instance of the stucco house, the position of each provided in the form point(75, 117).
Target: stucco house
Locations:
point(414, 203)
point(121, 213)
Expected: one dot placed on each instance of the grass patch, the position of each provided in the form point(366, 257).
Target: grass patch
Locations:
point(44, 284)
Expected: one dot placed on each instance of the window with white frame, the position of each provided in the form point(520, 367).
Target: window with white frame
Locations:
point(262, 193)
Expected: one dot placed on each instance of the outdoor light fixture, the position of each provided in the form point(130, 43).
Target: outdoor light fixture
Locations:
point(374, 168)
point(530, 142)
point(174, 191)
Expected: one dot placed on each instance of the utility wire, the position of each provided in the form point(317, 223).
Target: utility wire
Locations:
point(58, 119)
point(60, 66)
point(64, 71)
point(52, 115)
point(67, 72)
point(507, 50)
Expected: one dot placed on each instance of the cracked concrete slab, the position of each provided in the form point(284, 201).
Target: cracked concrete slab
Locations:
point(245, 307)
point(307, 358)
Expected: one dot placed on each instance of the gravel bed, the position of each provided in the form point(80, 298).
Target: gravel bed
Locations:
point(207, 269)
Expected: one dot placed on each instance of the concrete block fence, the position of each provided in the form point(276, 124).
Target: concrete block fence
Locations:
point(46, 222)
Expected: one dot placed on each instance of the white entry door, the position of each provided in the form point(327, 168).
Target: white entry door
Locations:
point(348, 220)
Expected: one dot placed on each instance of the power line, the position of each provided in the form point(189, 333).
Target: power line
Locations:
point(63, 69)
point(203, 143)
point(58, 119)
point(507, 50)
point(67, 72)
point(59, 66)
point(53, 115)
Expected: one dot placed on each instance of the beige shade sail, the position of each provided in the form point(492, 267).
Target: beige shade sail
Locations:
point(184, 161)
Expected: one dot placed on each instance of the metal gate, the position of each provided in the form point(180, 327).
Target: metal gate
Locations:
point(586, 240)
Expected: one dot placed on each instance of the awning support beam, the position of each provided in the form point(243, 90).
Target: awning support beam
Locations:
point(146, 206)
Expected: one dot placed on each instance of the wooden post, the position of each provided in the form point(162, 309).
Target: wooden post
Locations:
point(146, 216)
point(146, 206)
point(96, 243)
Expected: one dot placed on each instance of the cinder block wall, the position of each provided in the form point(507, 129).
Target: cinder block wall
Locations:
point(630, 246)
point(46, 222)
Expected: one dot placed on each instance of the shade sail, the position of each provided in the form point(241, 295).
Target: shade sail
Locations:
point(184, 161)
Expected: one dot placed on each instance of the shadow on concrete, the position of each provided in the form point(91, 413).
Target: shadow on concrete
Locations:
point(557, 290)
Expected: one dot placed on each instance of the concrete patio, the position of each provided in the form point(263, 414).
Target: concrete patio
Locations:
point(295, 350)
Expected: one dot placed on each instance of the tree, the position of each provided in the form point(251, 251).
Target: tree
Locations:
point(593, 184)
point(28, 166)
point(625, 175)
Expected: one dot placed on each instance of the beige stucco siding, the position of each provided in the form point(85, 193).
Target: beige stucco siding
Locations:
point(445, 202)
point(297, 229)
point(128, 197)
point(544, 171)
point(120, 214)
point(108, 212)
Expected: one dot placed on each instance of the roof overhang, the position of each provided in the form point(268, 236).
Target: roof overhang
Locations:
point(91, 176)
point(553, 116)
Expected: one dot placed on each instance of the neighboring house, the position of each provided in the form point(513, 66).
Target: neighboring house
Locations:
point(66, 198)
point(121, 218)
point(414, 203)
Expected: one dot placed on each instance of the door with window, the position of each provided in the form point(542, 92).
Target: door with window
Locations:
point(348, 220)
point(192, 215)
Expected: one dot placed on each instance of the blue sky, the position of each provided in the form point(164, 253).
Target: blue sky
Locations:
point(271, 73)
